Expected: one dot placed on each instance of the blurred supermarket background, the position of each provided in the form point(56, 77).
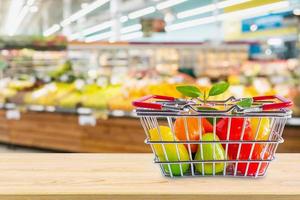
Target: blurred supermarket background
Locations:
point(69, 69)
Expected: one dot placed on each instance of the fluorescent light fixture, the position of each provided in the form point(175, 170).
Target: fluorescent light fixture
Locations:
point(169, 3)
point(132, 28)
point(89, 8)
point(256, 11)
point(123, 19)
point(88, 31)
point(105, 35)
point(241, 14)
point(142, 12)
point(14, 27)
point(97, 37)
point(190, 23)
point(208, 8)
point(196, 11)
point(132, 36)
point(13, 11)
point(296, 11)
point(96, 28)
point(17, 12)
point(51, 30)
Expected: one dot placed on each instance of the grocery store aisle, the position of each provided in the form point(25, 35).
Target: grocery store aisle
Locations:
point(4, 148)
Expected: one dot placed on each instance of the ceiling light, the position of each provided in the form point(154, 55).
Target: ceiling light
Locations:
point(128, 29)
point(196, 11)
point(97, 37)
point(89, 8)
point(208, 8)
point(169, 3)
point(256, 11)
point(90, 30)
point(51, 30)
point(14, 8)
point(296, 11)
point(241, 14)
point(142, 12)
point(123, 19)
point(14, 27)
point(190, 23)
point(132, 36)
point(97, 28)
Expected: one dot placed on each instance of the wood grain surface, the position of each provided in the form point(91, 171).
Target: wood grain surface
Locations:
point(63, 133)
point(133, 176)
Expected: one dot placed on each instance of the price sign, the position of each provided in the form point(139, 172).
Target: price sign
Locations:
point(13, 114)
point(87, 120)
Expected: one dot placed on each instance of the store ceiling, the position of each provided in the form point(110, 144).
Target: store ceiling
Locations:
point(44, 14)
point(51, 12)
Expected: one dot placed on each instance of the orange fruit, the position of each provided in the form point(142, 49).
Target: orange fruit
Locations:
point(193, 129)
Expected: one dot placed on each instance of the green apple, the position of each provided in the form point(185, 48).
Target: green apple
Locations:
point(207, 152)
point(171, 152)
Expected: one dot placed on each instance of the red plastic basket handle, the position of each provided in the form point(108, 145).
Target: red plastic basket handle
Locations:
point(141, 103)
point(284, 103)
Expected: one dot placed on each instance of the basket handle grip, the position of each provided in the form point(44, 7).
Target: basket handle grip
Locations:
point(141, 102)
point(284, 103)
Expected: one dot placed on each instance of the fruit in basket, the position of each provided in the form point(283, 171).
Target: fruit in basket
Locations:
point(165, 134)
point(235, 133)
point(253, 166)
point(193, 130)
point(210, 151)
point(262, 128)
point(209, 119)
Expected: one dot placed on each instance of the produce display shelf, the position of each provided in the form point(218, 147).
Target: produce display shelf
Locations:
point(63, 110)
point(89, 130)
point(294, 121)
point(62, 131)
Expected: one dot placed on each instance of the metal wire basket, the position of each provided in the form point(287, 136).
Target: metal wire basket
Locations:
point(241, 142)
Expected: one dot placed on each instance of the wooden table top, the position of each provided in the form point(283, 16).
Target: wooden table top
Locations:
point(130, 176)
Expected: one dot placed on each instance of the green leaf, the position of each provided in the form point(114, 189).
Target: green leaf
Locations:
point(189, 91)
point(218, 88)
point(245, 103)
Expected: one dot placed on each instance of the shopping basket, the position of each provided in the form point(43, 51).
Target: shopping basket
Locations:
point(241, 143)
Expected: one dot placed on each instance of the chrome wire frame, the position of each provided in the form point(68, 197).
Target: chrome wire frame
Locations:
point(231, 169)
